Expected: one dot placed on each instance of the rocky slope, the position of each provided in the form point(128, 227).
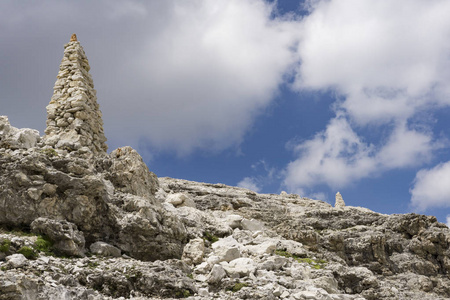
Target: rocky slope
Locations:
point(114, 230)
point(78, 223)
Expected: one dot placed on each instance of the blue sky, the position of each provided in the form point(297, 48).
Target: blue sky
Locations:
point(307, 97)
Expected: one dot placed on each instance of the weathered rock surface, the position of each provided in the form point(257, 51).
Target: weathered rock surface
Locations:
point(298, 248)
point(150, 238)
point(14, 138)
point(104, 249)
point(66, 238)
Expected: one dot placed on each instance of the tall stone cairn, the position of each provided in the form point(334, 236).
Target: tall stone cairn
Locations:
point(74, 119)
point(339, 201)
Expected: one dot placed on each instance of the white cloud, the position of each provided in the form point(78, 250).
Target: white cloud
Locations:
point(338, 156)
point(249, 183)
point(180, 75)
point(448, 221)
point(335, 156)
point(388, 59)
point(318, 196)
point(431, 188)
point(203, 75)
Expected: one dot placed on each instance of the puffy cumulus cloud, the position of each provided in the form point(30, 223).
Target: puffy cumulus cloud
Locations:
point(335, 156)
point(202, 77)
point(338, 156)
point(431, 188)
point(177, 74)
point(388, 59)
point(249, 183)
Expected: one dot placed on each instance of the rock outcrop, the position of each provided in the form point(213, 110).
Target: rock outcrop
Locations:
point(14, 138)
point(69, 177)
point(77, 223)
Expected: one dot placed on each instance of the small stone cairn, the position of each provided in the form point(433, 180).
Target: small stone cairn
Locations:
point(74, 119)
point(339, 201)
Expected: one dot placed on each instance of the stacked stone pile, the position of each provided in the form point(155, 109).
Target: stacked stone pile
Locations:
point(339, 201)
point(74, 119)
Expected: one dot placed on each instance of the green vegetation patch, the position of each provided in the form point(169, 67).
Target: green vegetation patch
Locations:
point(20, 232)
point(4, 245)
point(314, 263)
point(44, 244)
point(208, 236)
point(92, 264)
point(237, 287)
point(28, 252)
point(49, 152)
point(182, 294)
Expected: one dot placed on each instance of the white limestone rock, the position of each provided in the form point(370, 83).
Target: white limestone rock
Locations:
point(216, 275)
point(240, 267)
point(252, 225)
point(227, 249)
point(16, 260)
point(292, 247)
point(234, 221)
point(267, 247)
point(129, 174)
point(194, 251)
point(15, 138)
point(273, 263)
point(203, 268)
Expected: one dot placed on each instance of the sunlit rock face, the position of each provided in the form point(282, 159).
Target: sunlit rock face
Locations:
point(68, 178)
point(101, 226)
point(74, 119)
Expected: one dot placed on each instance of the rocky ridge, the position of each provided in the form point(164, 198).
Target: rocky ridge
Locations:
point(78, 223)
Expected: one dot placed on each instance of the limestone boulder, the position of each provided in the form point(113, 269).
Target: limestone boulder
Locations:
point(151, 233)
point(44, 184)
point(194, 251)
point(216, 275)
point(14, 138)
point(129, 173)
point(180, 200)
point(16, 260)
point(104, 249)
point(66, 238)
point(240, 267)
point(252, 225)
point(266, 247)
point(227, 249)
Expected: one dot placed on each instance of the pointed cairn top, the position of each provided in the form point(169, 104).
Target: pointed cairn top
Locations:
point(74, 119)
point(73, 38)
point(339, 201)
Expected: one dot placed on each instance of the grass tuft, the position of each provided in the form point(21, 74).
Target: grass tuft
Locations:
point(314, 263)
point(4, 246)
point(28, 252)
